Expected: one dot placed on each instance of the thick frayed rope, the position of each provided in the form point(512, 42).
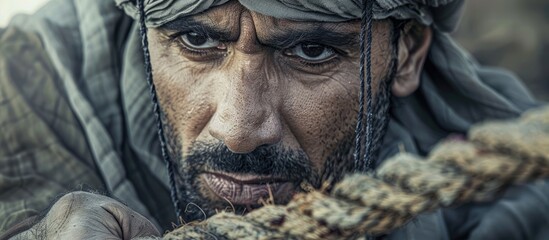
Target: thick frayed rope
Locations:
point(497, 155)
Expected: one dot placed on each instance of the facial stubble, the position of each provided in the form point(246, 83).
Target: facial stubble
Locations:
point(265, 160)
point(270, 160)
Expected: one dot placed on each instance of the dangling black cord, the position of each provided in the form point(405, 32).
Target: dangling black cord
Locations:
point(359, 128)
point(365, 56)
point(365, 59)
point(368, 14)
point(156, 110)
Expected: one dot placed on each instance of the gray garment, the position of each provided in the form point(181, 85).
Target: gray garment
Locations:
point(96, 52)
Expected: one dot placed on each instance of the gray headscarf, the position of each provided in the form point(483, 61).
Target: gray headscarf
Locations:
point(444, 14)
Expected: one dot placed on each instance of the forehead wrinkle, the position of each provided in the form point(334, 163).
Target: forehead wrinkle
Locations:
point(247, 41)
point(223, 18)
point(226, 16)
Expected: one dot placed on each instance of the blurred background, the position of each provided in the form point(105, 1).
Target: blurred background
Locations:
point(513, 34)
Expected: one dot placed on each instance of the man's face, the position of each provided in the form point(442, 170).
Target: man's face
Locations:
point(253, 105)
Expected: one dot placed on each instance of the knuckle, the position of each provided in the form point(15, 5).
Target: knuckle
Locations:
point(75, 198)
point(70, 197)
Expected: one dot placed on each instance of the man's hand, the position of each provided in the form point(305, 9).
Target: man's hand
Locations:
point(83, 215)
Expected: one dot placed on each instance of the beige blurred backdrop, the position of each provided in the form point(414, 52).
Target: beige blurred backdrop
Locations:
point(513, 34)
point(8, 8)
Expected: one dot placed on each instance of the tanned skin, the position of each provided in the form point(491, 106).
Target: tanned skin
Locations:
point(237, 88)
point(250, 96)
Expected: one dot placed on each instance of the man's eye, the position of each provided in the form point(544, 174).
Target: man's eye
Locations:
point(199, 41)
point(311, 52)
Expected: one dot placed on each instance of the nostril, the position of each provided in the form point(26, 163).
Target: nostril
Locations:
point(243, 128)
point(215, 134)
point(240, 146)
point(242, 141)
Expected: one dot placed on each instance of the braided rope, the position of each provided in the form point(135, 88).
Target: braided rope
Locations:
point(497, 155)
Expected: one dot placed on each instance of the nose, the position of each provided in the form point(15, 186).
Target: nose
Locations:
point(246, 116)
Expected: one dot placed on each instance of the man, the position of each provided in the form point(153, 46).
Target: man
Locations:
point(256, 97)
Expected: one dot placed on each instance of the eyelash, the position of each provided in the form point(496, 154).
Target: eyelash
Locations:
point(323, 64)
point(176, 39)
point(193, 51)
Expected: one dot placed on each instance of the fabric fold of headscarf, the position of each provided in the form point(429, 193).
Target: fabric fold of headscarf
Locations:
point(443, 14)
point(160, 12)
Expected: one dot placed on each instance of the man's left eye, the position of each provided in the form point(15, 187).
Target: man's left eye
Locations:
point(311, 52)
point(199, 41)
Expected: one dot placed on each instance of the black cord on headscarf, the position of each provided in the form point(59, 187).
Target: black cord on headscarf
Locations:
point(368, 14)
point(156, 109)
point(366, 25)
point(362, 164)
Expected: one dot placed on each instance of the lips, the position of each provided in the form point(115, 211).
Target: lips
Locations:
point(246, 189)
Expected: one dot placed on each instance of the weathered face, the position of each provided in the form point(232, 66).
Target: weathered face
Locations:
point(255, 105)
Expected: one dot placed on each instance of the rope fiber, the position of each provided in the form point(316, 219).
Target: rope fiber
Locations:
point(496, 156)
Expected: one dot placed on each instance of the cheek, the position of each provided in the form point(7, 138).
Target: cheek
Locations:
point(184, 93)
point(322, 115)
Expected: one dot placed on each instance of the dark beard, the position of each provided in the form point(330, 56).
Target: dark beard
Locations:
point(272, 160)
point(341, 161)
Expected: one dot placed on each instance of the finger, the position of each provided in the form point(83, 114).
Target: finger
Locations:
point(131, 223)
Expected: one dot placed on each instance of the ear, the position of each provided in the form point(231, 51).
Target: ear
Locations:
point(413, 47)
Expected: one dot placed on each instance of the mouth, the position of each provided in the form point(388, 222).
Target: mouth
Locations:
point(246, 189)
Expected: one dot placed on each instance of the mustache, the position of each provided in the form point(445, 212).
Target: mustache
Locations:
point(272, 160)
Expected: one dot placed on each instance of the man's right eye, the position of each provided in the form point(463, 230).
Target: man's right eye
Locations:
point(199, 41)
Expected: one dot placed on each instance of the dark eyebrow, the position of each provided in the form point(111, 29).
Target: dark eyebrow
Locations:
point(318, 35)
point(189, 24)
point(280, 40)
